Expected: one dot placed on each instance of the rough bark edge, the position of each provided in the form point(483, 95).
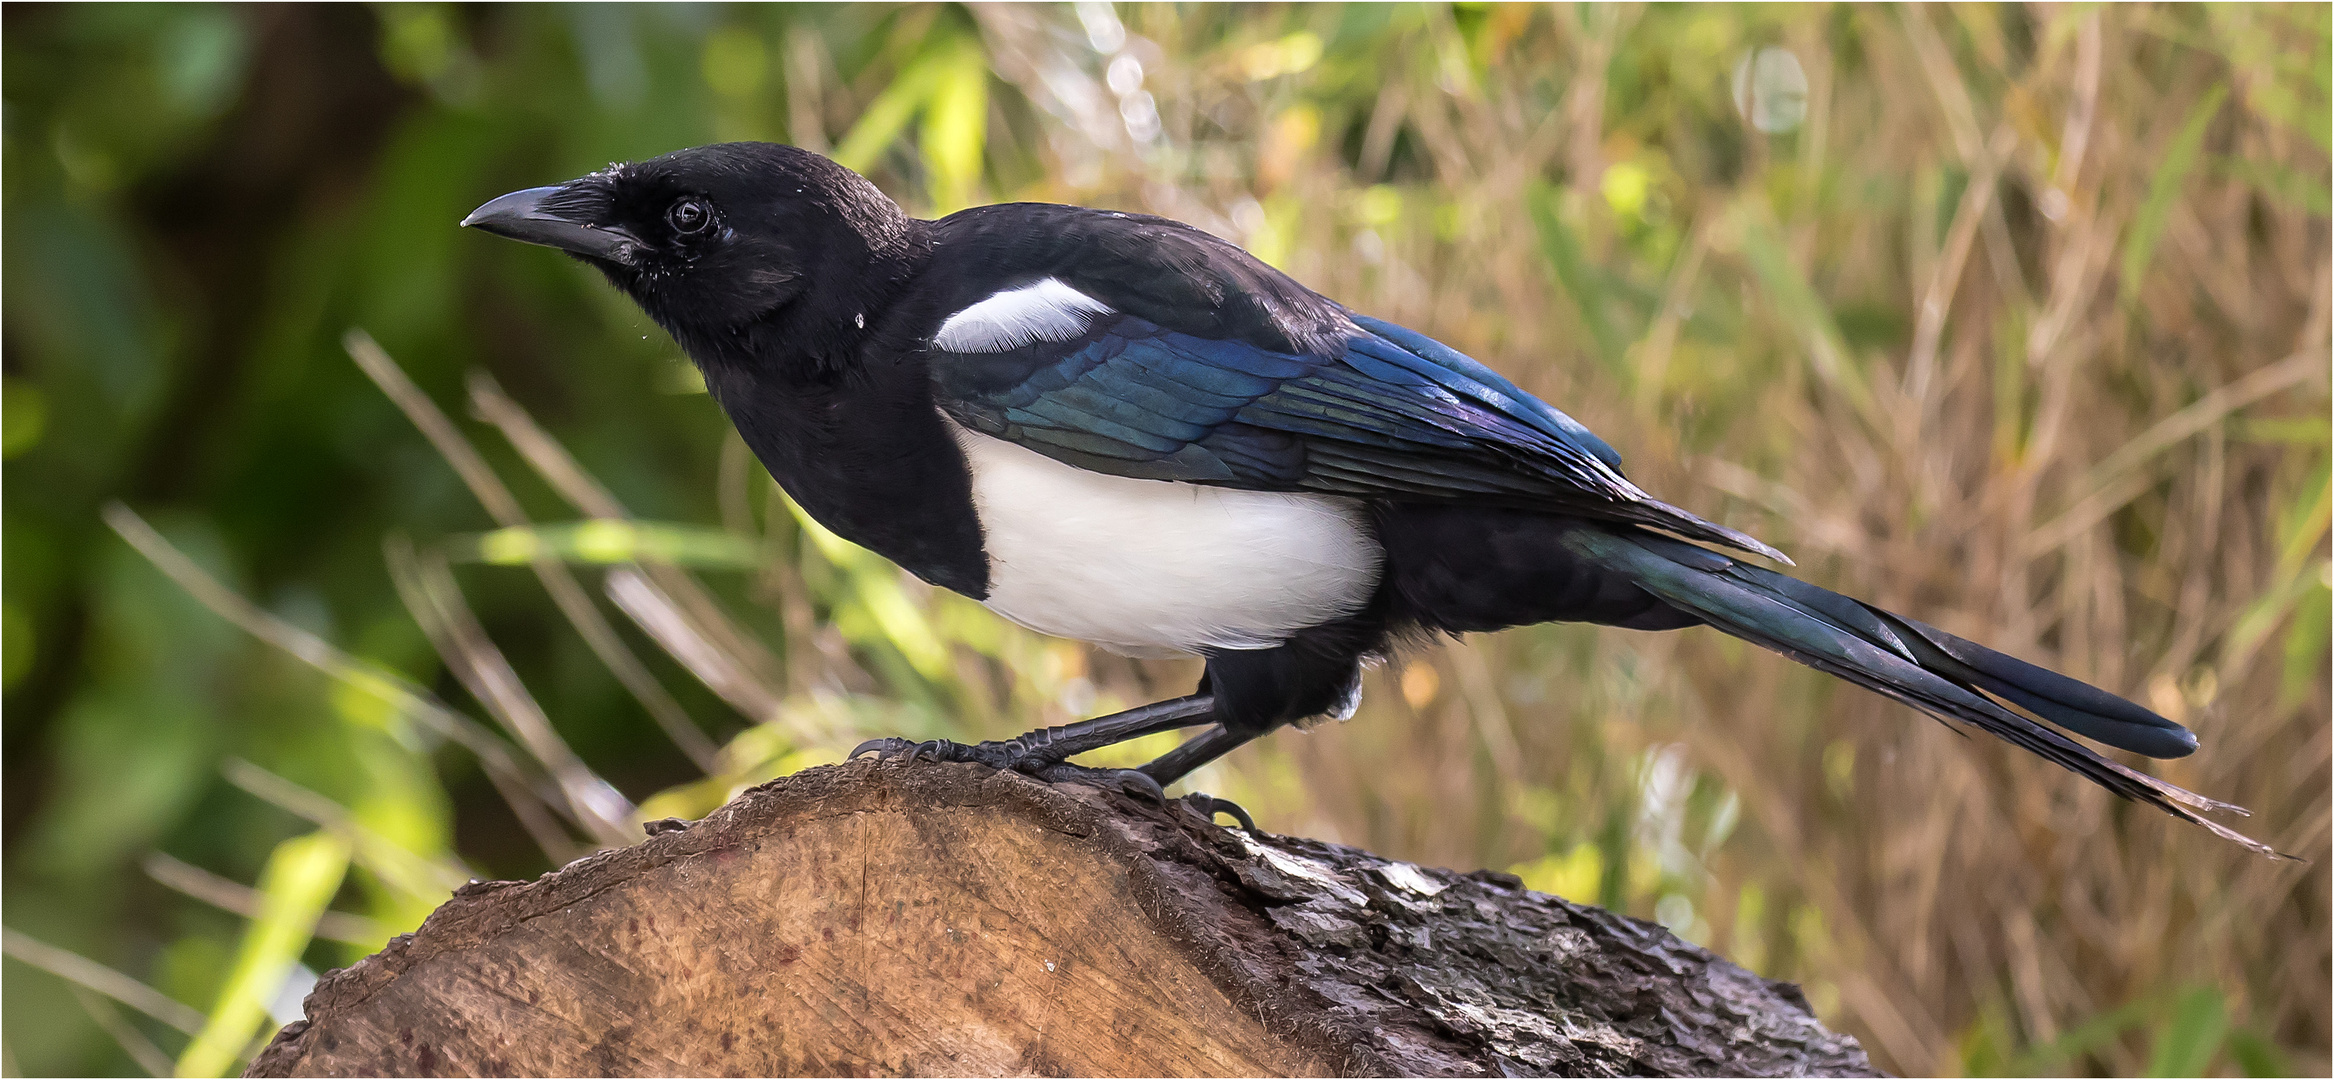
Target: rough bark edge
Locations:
point(1299, 933)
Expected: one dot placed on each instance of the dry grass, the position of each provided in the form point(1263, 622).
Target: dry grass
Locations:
point(2111, 463)
point(2021, 331)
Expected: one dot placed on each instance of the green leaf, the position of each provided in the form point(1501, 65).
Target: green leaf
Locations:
point(877, 609)
point(1798, 303)
point(24, 415)
point(132, 761)
point(2186, 1047)
point(2312, 431)
point(2305, 521)
point(300, 879)
point(607, 541)
point(2052, 1057)
point(955, 135)
point(2305, 646)
point(2147, 226)
point(1578, 279)
point(16, 652)
point(2257, 1056)
point(2280, 183)
point(887, 116)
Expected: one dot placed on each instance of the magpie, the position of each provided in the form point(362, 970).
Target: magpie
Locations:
point(1121, 429)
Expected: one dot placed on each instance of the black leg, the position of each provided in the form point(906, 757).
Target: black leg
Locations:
point(1069, 740)
point(1041, 753)
point(1209, 745)
point(1205, 747)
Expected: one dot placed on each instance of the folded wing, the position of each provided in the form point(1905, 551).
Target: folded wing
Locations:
point(1386, 413)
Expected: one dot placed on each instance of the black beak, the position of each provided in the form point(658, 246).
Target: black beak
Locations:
point(534, 216)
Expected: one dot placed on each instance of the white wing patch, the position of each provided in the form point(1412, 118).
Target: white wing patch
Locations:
point(1158, 568)
point(1045, 311)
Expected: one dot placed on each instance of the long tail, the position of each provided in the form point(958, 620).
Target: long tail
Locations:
point(1920, 665)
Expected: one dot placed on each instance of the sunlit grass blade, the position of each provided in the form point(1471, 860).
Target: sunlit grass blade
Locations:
point(2180, 157)
point(955, 132)
point(885, 118)
point(401, 869)
point(651, 609)
point(889, 616)
point(2256, 1055)
point(518, 787)
point(2299, 578)
point(436, 602)
point(126, 1035)
point(760, 753)
point(2118, 479)
point(299, 880)
point(2188, 1042)
point(1800, 306)
point(670, 589)
point(1560, 246)
point(2305, 522)
point(2054, 1057)
point(608, 542)
point(1975, 208)
point(238, 898)
point(566, 592)
point(2288, 186)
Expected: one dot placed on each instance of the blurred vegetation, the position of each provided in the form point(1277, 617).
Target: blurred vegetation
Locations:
point(2014, 318)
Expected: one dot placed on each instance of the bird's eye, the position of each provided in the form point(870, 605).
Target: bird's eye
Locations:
point(689, 216)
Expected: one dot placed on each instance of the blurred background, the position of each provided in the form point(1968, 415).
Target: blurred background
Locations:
point(2013, 318)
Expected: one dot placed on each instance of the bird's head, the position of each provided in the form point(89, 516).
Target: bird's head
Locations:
point(715, 238)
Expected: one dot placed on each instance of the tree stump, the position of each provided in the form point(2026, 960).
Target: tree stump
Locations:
point(880, 918)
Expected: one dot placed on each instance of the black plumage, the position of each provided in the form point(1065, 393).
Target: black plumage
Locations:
point(981, 398)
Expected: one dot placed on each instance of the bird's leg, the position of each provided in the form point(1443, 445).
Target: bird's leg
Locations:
point(1042, 753)
point(1205, 747)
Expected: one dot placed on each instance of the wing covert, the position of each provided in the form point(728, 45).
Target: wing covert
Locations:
point(1392, 414)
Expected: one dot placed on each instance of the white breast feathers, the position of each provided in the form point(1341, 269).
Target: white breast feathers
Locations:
point(1152, 567)
point(1045, 311)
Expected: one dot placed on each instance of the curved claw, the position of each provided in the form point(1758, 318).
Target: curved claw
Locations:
point(1209, 806)
point(882, 747)
point(1139, 783)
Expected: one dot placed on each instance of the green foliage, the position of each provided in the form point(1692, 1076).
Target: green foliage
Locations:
point(2180, 157)
point(2185, 1034)
point(606, 542)
point(1562, 247)
point(300, 878)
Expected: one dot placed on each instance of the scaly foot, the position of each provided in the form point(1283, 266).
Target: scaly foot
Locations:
point(1015, 755)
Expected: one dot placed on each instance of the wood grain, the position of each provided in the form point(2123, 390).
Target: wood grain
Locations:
point(880, 919)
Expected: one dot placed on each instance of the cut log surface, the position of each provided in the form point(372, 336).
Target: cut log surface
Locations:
point(880, 918)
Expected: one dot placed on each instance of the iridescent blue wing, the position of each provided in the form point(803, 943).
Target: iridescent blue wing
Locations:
point(1386, 413)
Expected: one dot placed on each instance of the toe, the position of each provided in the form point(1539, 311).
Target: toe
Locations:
point(1138, 783)
point(883, 747)
point(1209, 806)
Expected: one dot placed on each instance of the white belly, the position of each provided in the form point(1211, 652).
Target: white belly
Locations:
point(1151, 567)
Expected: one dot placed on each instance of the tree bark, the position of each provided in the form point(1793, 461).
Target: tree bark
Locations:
point(883, 918)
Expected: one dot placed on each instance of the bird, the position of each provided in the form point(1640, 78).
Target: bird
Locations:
point(1121, 429)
